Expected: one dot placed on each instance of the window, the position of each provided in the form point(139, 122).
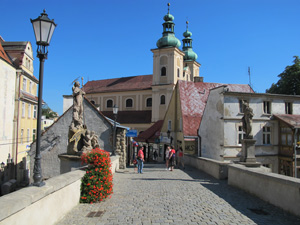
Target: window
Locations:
point(129, 103)
point(22, 135)
point(241, 134)
point(34, 111)
point(178, 72)
point(266, 135)
point(28, 137)
point(162, 100)
point(33, 134)
point(267, 107)
point(149, 102)
point(30, 86)
point(24, 84)
point(241, 105)
point(163, 71)
point(29, 110)
point(288, 108)
point(109, 103)
point(23, 109)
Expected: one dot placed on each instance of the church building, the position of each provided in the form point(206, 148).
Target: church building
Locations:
point(143, 100)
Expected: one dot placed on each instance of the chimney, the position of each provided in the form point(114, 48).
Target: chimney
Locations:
point(198, 79)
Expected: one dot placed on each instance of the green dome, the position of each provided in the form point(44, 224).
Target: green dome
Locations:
point(187, 34)
point(190, 55)
point(168, 17)
point(168, 41)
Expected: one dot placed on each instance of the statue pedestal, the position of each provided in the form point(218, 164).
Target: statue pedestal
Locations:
point(248, 153)
point(69, 163)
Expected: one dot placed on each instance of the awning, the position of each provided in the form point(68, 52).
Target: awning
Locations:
point(293, 121)
point(151, 134)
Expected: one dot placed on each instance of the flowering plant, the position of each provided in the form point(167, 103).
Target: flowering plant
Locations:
point(96, 184)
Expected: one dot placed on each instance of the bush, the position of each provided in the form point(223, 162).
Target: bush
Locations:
point(96, 184)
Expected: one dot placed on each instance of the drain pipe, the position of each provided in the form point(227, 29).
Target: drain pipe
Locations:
point(295, 151)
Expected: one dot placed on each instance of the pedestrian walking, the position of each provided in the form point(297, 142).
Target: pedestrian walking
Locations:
point(180, 158)
point(155, 155)
point(168, 149)
point(172, 155)
point(140, 160)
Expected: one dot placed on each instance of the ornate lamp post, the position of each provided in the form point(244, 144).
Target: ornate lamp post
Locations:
point(43, 29)
point(115, 112)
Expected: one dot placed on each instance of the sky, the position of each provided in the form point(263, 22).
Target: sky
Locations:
point(98, 39)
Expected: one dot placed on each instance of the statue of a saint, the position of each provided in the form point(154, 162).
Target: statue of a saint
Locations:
point(247, 120)
point(77, 105)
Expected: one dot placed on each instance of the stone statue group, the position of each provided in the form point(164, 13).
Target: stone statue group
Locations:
point(80, 138)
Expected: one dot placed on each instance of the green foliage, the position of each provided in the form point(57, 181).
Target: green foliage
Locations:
point(289, 82)
point(46, 111)
point(96, 185)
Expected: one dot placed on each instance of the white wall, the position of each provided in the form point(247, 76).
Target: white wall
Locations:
point(7, 102)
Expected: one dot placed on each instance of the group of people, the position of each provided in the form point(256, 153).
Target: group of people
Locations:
point(171, 158)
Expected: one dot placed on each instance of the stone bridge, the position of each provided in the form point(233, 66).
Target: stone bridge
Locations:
point(180, 197)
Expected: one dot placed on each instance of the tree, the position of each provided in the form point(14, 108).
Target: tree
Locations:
point(289, 82)
point(46, 111)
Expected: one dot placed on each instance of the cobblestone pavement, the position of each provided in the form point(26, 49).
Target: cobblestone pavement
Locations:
point(176, 197)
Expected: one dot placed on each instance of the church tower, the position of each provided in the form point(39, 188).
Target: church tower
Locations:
point(167, 67)
point(191, 67)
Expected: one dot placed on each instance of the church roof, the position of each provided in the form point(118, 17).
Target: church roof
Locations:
point(135, 83)
point(193, 98)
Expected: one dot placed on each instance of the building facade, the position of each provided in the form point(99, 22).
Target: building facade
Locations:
point(221, 129)
point(7, 93)
point(25, 112)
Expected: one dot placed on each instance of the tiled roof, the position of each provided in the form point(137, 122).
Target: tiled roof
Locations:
point(142, 82)
point(3, 55)
point(291, 120)
point(193, 98)
point(151, 133)
point(130, 117)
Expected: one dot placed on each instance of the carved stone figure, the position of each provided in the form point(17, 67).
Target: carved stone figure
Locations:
point(95, 143)
point(87, 141)
point(77, 106)
point(247, 120)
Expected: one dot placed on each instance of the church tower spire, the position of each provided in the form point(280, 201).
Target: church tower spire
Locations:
point(187, 47)
point(168, 39)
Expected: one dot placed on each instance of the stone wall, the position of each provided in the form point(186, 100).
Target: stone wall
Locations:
point(47, 204)
point(121, 147)
point(279, 190)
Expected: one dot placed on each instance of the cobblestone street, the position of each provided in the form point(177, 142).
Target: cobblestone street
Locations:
point(180, 197)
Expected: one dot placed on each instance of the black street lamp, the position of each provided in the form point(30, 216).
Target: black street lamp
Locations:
point(115, 112)
point(43, 29)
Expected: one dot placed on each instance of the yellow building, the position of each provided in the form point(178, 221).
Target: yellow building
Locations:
point(25, 115)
